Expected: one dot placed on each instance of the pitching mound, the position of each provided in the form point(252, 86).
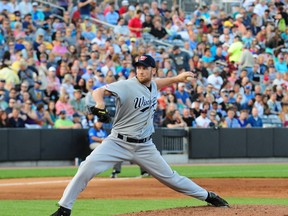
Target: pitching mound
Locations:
point(239, 210)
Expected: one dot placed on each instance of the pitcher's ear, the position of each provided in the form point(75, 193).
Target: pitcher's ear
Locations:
point(154, 71)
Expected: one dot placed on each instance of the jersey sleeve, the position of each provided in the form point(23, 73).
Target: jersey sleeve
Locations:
point(117, 89)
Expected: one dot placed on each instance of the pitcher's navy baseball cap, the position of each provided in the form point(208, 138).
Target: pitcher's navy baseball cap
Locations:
point(146, 60)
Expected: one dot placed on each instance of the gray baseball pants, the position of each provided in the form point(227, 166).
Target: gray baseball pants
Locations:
point(113, 150)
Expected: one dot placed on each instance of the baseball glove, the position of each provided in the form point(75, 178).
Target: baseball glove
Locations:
point(102, 114)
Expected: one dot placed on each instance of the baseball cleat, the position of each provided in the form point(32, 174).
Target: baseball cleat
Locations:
point(62, 212)
point(113, 175)
point(216, 200)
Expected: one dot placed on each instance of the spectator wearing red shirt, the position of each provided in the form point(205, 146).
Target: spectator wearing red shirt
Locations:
point(135, 24)
point(124, 8)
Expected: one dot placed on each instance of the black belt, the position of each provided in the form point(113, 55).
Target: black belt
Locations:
point(129, 139)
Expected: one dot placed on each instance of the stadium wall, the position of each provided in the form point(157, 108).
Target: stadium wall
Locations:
point(68, 144)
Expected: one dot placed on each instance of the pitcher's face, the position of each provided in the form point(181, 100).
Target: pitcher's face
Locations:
point(145, 74)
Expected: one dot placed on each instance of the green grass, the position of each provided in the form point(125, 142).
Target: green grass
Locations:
point(109, 207)
point(192, 171)
point(113, 207)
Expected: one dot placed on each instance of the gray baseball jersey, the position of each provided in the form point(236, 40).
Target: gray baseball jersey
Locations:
point(135, 107)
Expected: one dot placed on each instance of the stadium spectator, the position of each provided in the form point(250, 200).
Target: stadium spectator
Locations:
point(36, 94)
point(215, 80)
point(202, 121)
point(3, 103)
point(112, 16)
point(274, 105)
point(180, 59)
point(84, 8)
point(63, 104)
point(77, 120)
point(96, 134)
point(173, 119)
point(77, 102)
point(242, 120)
point(182, 96)
point(16, 120)
point(63, 123)
point(187, 117)
point(25, 7)
point(37, 49)
point(135, 24)
point(254, 120)
point(4, 121)
point(50, 114)
point(214, 122)
point(231, 121)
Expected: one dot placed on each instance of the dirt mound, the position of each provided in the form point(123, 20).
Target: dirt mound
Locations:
point(239, 210)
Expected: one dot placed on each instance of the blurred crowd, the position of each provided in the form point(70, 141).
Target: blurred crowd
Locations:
point(53, 58)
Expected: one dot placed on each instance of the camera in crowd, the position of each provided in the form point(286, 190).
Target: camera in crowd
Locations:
point(213, 126)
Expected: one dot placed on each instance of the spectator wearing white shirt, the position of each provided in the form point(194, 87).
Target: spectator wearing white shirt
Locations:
point(202, 121)
point(274, 105)
point(259, 105)
point(259, 9)
point(25, 7)
point(279, 80)
point(6, 5)
point(14, 5)
point(215, 79)
point(99, 39)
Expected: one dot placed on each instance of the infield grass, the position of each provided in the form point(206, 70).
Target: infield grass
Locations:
point(191, 171)
point(113, 207)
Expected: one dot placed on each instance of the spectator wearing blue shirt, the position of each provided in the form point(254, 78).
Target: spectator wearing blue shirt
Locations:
point(37, 15)
point(254, 120)
point(88, 34)
point(230, 120)
point(242, 120)
point(183, 98)
point(207, 58)
point(248, 93)
point(84, 8)
point(112, 16)
point(96, 134)
point(281, 65)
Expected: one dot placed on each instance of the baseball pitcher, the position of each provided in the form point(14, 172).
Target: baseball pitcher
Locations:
point(130, 138)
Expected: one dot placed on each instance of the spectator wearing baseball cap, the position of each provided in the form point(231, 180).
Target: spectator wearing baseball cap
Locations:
point(77, 120)
point(37, 15)
point(202, 121)
point(62, 122)
point(124, 8)
point(183, 97)
point(52, 79)
point(96, 134)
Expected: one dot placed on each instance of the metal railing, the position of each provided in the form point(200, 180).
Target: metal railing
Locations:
point(102, 22)
point(52, 5)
